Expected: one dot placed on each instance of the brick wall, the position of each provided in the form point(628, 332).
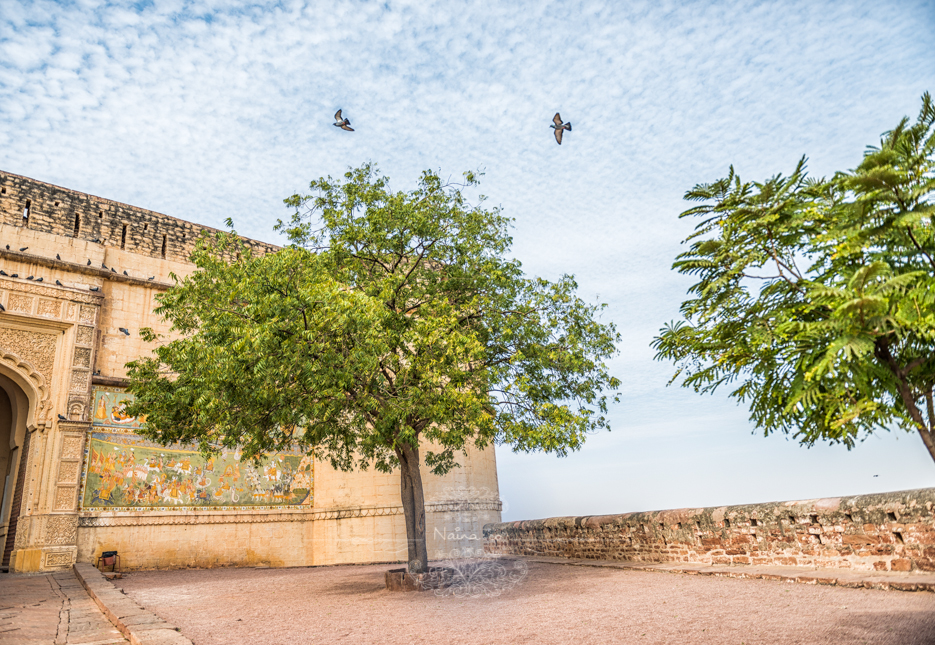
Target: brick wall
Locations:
point(883, 532)
point(52, 209)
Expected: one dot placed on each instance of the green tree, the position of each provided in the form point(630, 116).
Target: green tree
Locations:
point(392, 321)
point(815, 299)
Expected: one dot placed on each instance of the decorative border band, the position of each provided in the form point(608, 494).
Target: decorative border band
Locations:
point(252, 517)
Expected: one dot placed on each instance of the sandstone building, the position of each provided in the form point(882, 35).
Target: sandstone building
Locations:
point(78, 276)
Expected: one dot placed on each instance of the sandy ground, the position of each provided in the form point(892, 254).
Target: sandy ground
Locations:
point(542, 603)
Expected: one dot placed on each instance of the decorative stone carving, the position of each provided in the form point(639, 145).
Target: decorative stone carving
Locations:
point(85, 335)
point(88, 314)
point(79, 381)
point(52, 292)
point(68, 472)
point(71, 311)
point(82, 357)
point(20, 303)
point(76, 409)
point(36, 347)
point(59, 559)
point(22, 533)
point(71, 447)
point(61, 529)
point(49, 308)
point(65, 496)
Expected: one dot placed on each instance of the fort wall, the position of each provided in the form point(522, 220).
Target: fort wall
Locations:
point(881, 532)
point(79, 279)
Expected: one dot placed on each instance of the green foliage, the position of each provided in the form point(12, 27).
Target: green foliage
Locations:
point(392, 318)
point(815, 299)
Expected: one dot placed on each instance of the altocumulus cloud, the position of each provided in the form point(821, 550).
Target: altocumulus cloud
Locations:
point(205, 110)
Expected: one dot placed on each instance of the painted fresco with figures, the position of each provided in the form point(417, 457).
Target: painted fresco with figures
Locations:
point(125, 471)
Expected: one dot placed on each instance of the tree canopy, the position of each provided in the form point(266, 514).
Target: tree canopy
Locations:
point(392, 320)
point(815, 298)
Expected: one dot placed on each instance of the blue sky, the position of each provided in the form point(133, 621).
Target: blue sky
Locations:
point(209, 110)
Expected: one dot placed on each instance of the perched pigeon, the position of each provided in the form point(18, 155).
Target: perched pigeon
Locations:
point(94, 288)
point(7, 247)
point(32, 277)
point(59, 283)
point(58, 257)
point(15, 275)
point(113, 270)
point(96, 240)
point(2, 272)
point(2, 308)
point(125, 332)
point(23, 249)
point(38, 279)
point(152, 277)
point(126, 274)
point(89, 261)
point(103, 265)
point(61, 418)
point(344, 124)
point(559, 126)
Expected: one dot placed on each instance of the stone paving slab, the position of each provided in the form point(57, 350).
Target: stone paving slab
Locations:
point(51, 609)
point(140, 626)
point(912, 581)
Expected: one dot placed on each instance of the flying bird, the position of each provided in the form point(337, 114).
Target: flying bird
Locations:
point(344, 124)
point(559, 127)
point(125, 332)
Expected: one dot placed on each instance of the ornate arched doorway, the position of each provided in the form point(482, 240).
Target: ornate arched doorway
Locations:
point(14, 437)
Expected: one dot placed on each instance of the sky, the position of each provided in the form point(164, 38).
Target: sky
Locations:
point(217, 109)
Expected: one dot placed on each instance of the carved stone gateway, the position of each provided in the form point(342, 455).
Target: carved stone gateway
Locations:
point(86, 481)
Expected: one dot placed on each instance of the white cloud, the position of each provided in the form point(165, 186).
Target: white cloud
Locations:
point(209, 110)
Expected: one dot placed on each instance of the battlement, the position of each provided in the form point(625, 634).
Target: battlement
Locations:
point(52, 209)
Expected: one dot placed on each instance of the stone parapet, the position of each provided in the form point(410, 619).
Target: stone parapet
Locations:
point(881, 532)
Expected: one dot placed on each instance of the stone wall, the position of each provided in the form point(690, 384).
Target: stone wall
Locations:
point(74, 299)
point(882, 532)
point(43, 207)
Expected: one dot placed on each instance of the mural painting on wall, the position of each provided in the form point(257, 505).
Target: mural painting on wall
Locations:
point(124, 471)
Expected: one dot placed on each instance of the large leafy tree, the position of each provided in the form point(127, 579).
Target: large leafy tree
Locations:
point(815, 298)
point(392, 330)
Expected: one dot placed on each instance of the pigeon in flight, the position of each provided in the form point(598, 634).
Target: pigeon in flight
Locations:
point(124, 330)
point(344, 124)
point(559, 126)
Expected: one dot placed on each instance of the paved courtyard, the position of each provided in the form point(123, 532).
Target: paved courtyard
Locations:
point(525, 603)
point(51, 609)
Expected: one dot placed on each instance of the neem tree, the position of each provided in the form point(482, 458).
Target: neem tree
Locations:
point(392, 322)
point(817, 297)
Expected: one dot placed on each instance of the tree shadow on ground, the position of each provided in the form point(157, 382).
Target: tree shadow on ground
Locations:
point(901, 627)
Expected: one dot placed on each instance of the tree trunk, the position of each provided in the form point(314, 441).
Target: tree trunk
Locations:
point(413, 507)
point(882, 351)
